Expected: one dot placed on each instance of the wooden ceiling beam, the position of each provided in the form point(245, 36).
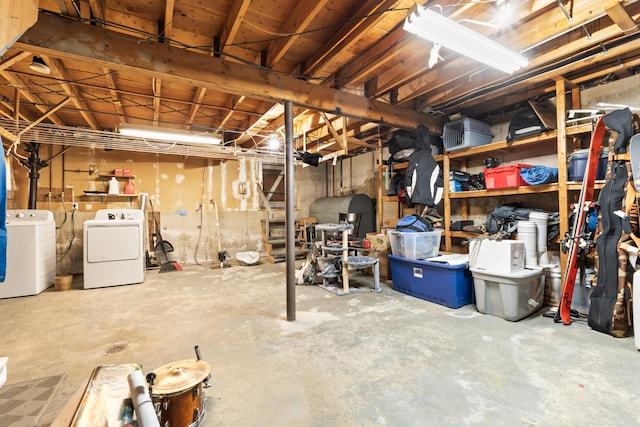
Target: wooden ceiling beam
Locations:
point(14, 59)
point(18, 16)
point(46, 114)
point(4, 113)
point(622, 19)
point(197, 100)
point(98, 11)
point(367, 17)
point(235, 101)
point(550, 87)
point(167, 30)
point(115, 94)
point(463, 86)
point(496, 96)
point(60, 72)
point(540, 29)
point(69, 7)
point(117, 91)
point(339, 139)
point(234, 19)
point(229, 32)
point(298, 21)
point(38, 103)
point(386, 50)
point(11, 112)
point(49, 36)
point(157, 99)
point(85, 9)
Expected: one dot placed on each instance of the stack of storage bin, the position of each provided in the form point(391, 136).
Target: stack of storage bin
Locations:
point(449, 285)
point(503, 287)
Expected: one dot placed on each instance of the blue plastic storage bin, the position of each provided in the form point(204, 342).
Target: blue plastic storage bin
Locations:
point(578, 164)
point(449, 285)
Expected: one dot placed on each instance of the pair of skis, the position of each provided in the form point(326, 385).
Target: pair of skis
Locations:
point(574, 238)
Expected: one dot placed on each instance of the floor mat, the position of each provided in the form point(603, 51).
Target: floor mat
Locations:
point(22, 404)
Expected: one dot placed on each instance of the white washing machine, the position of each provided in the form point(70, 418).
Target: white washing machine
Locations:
point(113, 252)
point(31, 253)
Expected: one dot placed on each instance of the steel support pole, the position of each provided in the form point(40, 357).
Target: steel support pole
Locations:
point(289, 218)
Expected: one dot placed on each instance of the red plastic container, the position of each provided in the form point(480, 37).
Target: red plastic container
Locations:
point(504, 176)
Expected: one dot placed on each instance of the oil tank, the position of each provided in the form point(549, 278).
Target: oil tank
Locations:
point(328, 209)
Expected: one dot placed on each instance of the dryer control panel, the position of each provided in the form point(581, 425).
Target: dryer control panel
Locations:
point(28, 215)
point(120, 214)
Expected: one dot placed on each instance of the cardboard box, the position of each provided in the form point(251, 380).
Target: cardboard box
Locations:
point(385, 266)
point(500, 257)
point(379, 242)
point(390, 222)
point(390, 212)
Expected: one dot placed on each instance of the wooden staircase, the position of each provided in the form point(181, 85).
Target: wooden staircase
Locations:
point(274, 236)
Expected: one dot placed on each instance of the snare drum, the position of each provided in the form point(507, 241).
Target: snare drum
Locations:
point(177, 393)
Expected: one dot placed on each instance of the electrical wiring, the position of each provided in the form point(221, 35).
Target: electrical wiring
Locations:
point(111, 100)
point(314, 30)
point(218, 50)
point(595, 50)
point(159, 148)
point(225, 130)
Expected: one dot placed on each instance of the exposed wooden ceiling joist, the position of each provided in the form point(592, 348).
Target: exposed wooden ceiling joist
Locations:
point(272, 51)
point(297, 22)
point(48, 37)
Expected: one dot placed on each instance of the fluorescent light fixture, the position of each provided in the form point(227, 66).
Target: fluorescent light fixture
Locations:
point(434, 27)
point(172, 135)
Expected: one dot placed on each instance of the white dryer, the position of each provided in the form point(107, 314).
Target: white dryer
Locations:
point(113, 252)
point(31, 253)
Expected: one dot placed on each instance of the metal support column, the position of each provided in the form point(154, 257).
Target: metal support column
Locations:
point(289, 216)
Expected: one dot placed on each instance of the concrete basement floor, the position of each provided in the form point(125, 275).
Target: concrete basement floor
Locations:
point(364, 359)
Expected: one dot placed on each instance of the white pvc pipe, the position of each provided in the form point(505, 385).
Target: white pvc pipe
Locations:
point(142, 402)
point(527, 233)
point(541, 219)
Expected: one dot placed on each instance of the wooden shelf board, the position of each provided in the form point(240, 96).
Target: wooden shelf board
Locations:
point(503, 145)
point(527, 189)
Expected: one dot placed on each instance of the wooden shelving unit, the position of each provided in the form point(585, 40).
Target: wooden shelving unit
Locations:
point(547, 143)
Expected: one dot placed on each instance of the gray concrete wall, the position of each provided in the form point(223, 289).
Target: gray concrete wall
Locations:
point(183, 203)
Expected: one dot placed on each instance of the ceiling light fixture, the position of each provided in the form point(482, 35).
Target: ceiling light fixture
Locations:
point(435, 27)
point(172, 135)
point(273, 142)
point(38, 65)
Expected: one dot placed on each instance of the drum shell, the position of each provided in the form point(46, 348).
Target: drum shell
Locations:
point(180, 409)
